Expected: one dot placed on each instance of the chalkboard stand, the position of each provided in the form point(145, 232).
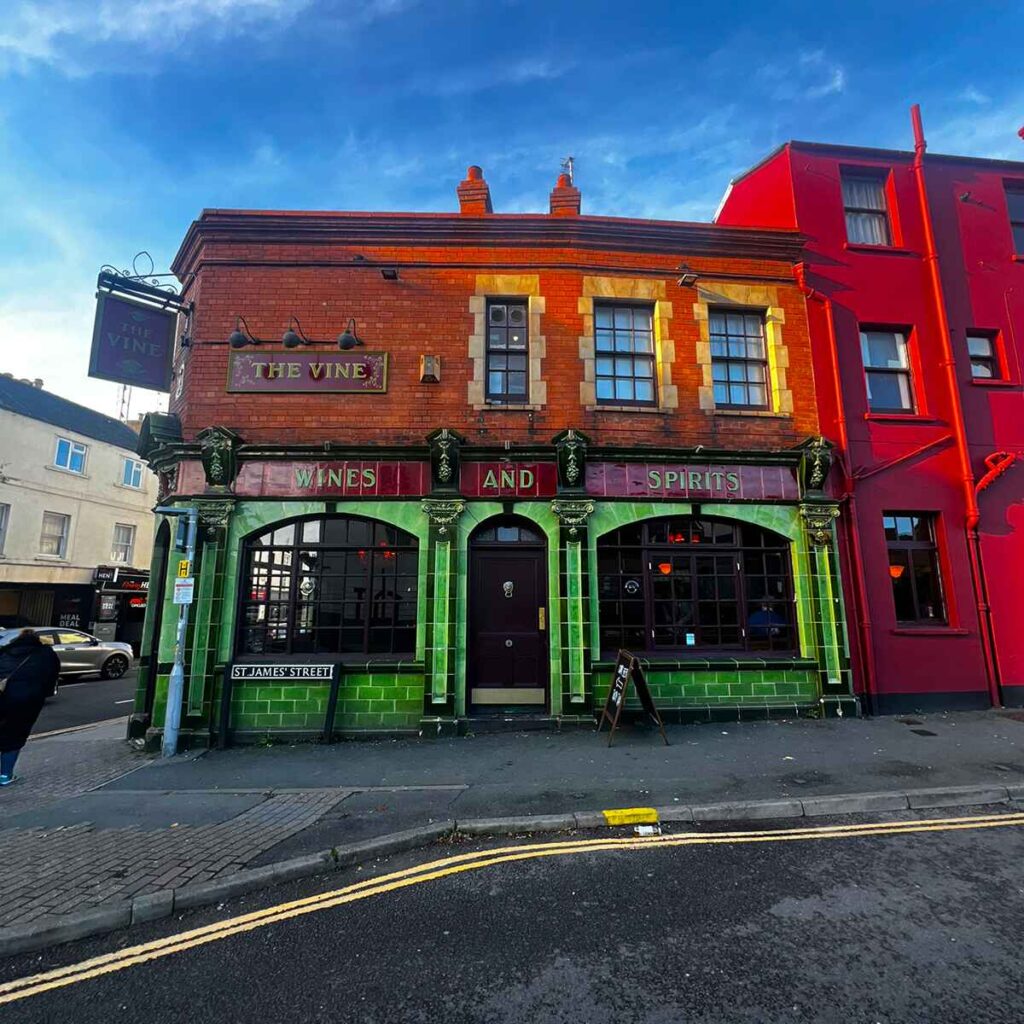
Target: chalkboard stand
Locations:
point(627, 669)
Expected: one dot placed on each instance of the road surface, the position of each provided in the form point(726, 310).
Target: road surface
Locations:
point(914, 917)
point(81, 701)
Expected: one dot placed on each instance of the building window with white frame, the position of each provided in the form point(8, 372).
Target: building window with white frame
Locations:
point(123, 546)
point(70, 455)
point(5, 518)
point(131, 473)
point(626, 373)
point(867, 213)
point(53, 539)
point(887, 370)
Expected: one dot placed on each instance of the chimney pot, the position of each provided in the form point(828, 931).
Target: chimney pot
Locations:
point(565, 198)
point(474, 195)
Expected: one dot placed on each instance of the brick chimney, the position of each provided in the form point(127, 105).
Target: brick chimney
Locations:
point(565, 198)
point(474, 195)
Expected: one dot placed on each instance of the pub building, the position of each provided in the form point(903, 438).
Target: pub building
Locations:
point(446, 466)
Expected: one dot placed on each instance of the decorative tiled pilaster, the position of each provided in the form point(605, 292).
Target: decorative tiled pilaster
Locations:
point(512, 286)
point(818, 518)
point(664, 348)
point(749, 297)
point(441, 604)
point(573, 590)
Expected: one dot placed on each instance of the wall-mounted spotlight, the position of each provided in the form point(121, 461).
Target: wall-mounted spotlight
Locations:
point(389, 273)
point(239, 338)
point(688, 277)
point(348, 338)
point(295, 335)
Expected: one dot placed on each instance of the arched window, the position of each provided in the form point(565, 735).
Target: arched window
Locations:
point(684, 584)
point(329, 585)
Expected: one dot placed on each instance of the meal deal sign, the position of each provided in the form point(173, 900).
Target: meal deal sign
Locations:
point(292, 372)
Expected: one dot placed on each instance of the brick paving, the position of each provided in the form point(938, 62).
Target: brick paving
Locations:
point(50, 871)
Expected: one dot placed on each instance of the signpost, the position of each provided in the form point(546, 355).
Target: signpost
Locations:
point(184, 590)
point(627, 669)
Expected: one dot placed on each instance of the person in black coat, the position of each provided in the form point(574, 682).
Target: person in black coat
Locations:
point(31, 668)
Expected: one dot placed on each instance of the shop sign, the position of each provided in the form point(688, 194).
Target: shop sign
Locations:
point(113, 578)
point(290, 372)
point(628, 670)
point(356, 478)
point(132, 343)
point(282, 673)
point(722, 481)
point(508, 479)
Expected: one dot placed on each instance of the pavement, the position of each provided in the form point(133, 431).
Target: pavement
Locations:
point(95, 825)
point(898, 921)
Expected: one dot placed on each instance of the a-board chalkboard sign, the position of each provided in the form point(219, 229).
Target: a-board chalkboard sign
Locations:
point(627, 669)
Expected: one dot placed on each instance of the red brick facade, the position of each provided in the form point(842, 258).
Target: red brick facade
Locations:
point(324, 268)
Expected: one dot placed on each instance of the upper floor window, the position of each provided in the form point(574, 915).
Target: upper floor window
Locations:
point(739, 363)
point(507, 351)
point(867, 214)
point(70, 455)
point(981, 347)
point(887, 370)
point(131, 473)
point(123, 545)
point(1015, 203)
point(53, 538)
point(914, 567)
point(624, 350)
point(5, 518)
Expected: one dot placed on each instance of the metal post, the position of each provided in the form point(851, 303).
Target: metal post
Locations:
point(176, 686)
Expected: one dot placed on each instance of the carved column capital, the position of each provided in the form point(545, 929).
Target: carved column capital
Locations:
point(572, 513)
point(215, 515)
point(443, 513)
point(818, 518)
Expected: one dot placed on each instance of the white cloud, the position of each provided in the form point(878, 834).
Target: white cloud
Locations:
point(810, 75)
point(491, 76)
point(973, 95)
point(990, 134)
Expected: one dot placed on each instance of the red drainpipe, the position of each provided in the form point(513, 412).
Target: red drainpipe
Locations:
point(850, 520)
point(973, 517)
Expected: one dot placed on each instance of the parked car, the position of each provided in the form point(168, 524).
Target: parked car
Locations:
point(80, 654)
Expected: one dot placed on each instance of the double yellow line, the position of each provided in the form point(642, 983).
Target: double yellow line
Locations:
point(36, 984)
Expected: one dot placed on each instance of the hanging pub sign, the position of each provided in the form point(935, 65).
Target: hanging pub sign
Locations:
point(286, 371)
point(627, 669)
point(132, 343)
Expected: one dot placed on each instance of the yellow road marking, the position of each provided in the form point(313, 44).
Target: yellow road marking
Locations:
point(631, 816)
point(23, 988)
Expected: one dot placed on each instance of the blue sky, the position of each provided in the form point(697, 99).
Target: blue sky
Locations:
point(121, 119)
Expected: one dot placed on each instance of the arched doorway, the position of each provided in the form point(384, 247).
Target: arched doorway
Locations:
point(507, 661)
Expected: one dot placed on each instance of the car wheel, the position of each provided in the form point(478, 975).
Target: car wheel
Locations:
point(114, 667)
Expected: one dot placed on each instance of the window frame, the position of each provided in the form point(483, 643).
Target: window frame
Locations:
point(881, 177)
point(906, 371)
point(129, 466)
point(408, 543)
point(1014, 191)
point(130, 552)
point(932, 546)
point(993, 359)
point(650, 550)
point(612, 305)
point(74, 447)
point(62, 553)
point(506, 397)
point(745, 361)
point(5, 523)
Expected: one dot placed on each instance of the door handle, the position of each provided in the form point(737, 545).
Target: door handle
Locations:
point(542, 619)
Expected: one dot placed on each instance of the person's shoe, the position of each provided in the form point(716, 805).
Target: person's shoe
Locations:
point(6, 780)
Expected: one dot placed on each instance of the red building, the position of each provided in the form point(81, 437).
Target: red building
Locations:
point(914, 273)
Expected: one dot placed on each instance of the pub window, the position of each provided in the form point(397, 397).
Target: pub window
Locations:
point(686, 584)
point(914, 567)
point(867, 214)
point(739, 362)
point(886, 370)
point(329, 585)
point(624, 349)
point(1015, 204)
point(507, 352)
point(981, 347)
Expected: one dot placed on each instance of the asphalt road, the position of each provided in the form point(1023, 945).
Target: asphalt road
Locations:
point(81, 701)
point(893, 928)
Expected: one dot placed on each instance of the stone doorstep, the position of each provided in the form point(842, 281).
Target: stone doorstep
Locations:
point(52, 931)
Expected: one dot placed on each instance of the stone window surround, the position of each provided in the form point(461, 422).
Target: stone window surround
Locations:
point(510, 286)
point(765, 300)
point(630, 289)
